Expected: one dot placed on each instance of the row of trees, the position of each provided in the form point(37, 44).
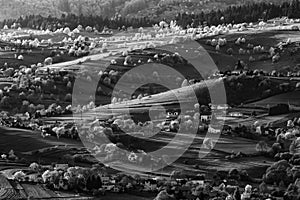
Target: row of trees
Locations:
point(72, 21)
point(233, 14)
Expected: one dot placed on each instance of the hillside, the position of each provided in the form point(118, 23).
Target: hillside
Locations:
point(17, 8)
point(108, 8)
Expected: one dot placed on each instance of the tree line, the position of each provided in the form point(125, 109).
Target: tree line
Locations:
point(233, 14)
point(72, 21)
point(238, 14)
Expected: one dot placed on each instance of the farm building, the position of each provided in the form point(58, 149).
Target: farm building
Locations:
point(205, 118)
point(236, 114)
point(278, 21)
point(105, 180)
point(220, 107)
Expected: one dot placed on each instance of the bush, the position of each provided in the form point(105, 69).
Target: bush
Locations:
point(276, 148)
point(278, 172)
point(5, 101)
point(68, 97)
point(230, 51)
point(88, 29)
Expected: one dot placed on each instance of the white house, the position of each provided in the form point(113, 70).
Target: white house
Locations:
point(205, 118)
point(235, 114)
point(105, 180)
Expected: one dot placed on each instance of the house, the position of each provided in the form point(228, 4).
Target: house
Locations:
point(197, 182)
point(278, 21)
point(108, 187)
point(236, 72)
point(172, 115)
point(117, 189)
point(205, 118)
point(62, 167)
point(105, 180)
point(213, 130)
point(7, 48)
point(235, 114)
point(223, 107)
point(220, 106)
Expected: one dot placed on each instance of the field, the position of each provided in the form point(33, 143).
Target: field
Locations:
point(26, 144)
point(25, 141)
point(266, 38)
point(39, 54)
point(222, 60)
point(30, 146)
point(292, 98)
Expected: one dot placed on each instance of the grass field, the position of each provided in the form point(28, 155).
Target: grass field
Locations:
point(266, 38)
point(24, 143)
point(292, 98)
point(36, 56)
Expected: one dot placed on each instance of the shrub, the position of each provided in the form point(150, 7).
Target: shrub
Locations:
point(68, 97)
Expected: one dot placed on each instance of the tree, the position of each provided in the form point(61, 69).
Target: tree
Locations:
point(175, 174)
point(68, 97)
point(163, 195)
point(124, 181)
point(237, 194)
point(295, 146)
point(276, 148)
point(263, 188)
point(137, 177)
point(262, 147)
point(5, 101)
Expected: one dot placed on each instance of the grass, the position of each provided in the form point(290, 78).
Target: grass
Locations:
point(26, 141)
point(37, 56)
point(292, 98)
point(269, 38)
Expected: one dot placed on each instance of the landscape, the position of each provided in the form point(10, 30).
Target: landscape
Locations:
point(150, 100)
